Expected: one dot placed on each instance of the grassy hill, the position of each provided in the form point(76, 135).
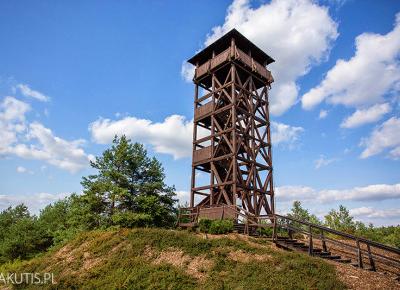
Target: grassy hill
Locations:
point(169, 259)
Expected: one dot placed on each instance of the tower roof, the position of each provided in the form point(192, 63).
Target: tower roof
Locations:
point(224, 42)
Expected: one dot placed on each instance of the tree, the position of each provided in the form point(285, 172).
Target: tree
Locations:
point(129, 188)
point(300, 213)
point(20, 235)
point(340, 220)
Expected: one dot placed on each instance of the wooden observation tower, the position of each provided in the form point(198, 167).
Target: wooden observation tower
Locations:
point(232, 161)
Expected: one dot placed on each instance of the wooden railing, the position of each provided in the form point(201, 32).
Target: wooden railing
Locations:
point(363, 250)
point(238, 55)
point(378, 256)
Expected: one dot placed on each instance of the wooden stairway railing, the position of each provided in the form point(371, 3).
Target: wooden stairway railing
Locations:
point(377, 256)
point(362, 250)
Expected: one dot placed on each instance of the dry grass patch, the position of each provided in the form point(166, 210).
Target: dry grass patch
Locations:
point(243, 257)
point(193, 266)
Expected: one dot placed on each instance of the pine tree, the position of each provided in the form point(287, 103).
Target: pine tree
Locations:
point(129, 187)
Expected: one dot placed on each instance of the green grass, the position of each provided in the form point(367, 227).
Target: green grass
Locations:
point(127, 259)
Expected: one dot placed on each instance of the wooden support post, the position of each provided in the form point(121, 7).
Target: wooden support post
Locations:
point(289, 230)
point(324, 248)
point(310, 246)
point(359, 255)
point(371, 259)
point(274, 238)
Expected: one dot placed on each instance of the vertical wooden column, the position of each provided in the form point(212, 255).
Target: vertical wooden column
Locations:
point(234, 120)
point(272, 195)
point(310, 246)
point(212, 137)
point(359, 255)
point(371, 259)
point(193, 178)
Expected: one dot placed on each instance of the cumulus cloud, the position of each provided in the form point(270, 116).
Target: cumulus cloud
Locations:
point(365, 116)
point(385, 136)
point(28, 92)
point(375, 192)
point(297, 33)
point(34, 141)
point(12, 121)
point(35, 202)
point(370, 212)
point(323, 114)
point(45, 146)
point(364, 79)
point(323, 161)
point(285, 134)
point(21, 169)
point(172, 136)
point(187, 71)
point(183, 196)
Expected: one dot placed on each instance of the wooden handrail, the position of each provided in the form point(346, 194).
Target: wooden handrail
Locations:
point(310, 229)
point(342, 234)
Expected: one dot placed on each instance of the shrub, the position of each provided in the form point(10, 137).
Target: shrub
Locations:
point(265, 231)
point(221, 226)
point(131, 220)
point(204, 225)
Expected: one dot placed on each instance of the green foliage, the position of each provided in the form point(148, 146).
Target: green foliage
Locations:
point(387, 235)
point(123, 262)
point(265, 231)
point(204, 225)
point(128, 190)
point(223, 226)
point(299, 213)
point(20, 235)
point(128, 180)
point(340, 220)
point(130, 219)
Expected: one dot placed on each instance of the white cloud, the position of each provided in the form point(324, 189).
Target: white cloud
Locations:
point(284, 134)
point(12, 121)
point(364, 79)
point(323, 114)
point(187, 71)
point(365, 116)
point(21, 169)
point(323, 161)
point(35, 202)
point(28, 92)
point(375, 192)
point(172, 136)
point(370, 212)
point(385, 136)
point(67, 155)
point(183, 196)
point(296, 33)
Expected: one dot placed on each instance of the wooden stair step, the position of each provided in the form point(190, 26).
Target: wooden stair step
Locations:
point(298, 244)
point(290, 241)
point(332, 257)
point(344, 261)
point(323, 253)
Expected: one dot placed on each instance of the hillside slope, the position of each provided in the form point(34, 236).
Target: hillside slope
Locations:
point(168, 259)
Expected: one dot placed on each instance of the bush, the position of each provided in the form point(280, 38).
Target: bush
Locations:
point(221, 226)
point(131, 219)
point(204, 225)
point(265, 231)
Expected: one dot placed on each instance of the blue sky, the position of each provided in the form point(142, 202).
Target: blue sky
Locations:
point(75, 73)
